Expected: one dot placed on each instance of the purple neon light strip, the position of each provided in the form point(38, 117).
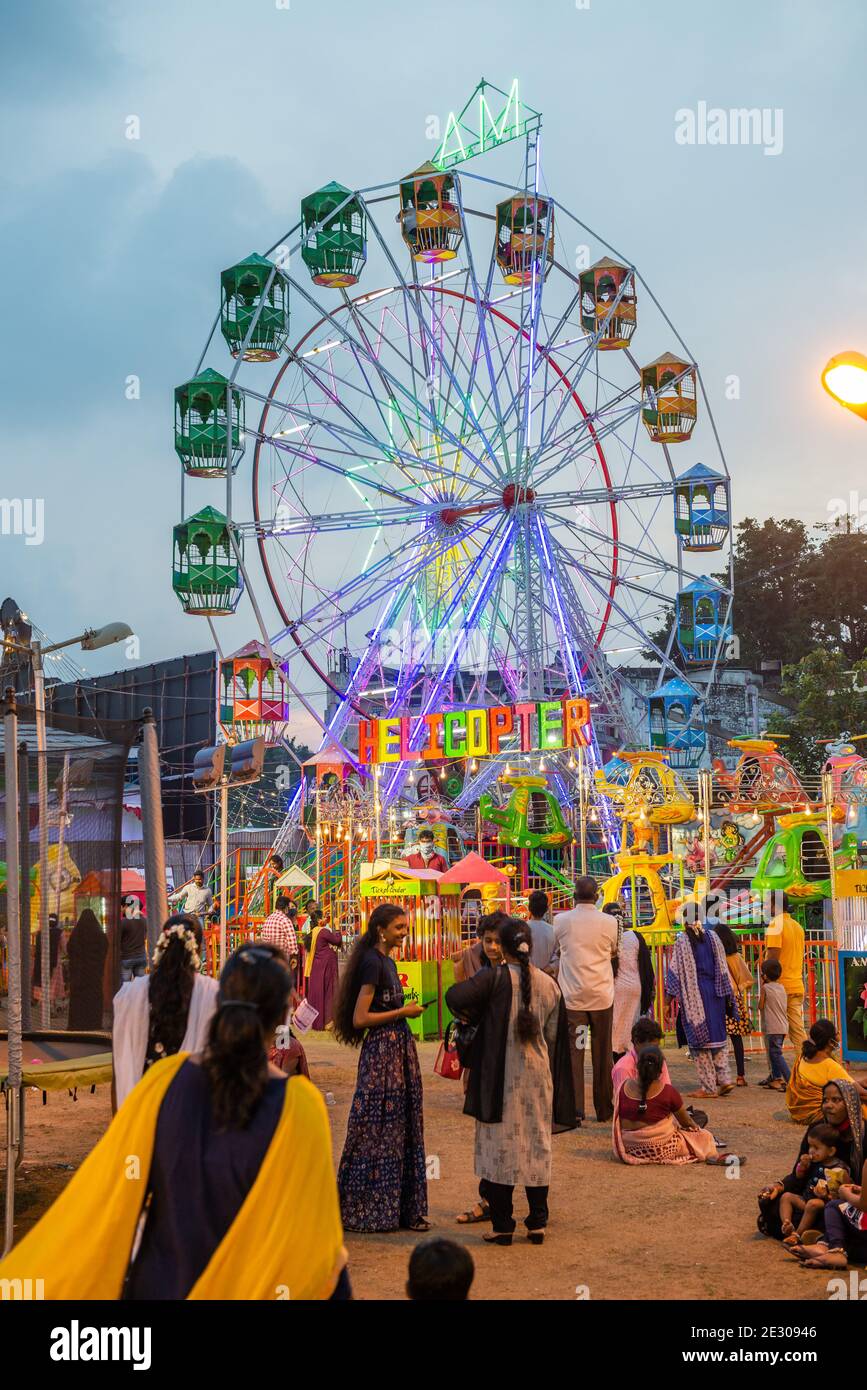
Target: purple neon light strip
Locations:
point(595, 758)
point(478, 602)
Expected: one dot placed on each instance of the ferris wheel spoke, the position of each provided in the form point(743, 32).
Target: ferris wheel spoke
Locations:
point(372, 357)
point(412, 293)
point(396, 385)
point(586, 497)
point(330, 612)
point(459, 446)
point(630, 624)
point(482, 314)
point(494, 552)
point(357, 476)
point(311, 523)
point(587, 435)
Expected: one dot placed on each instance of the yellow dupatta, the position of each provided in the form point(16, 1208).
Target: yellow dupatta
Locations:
point(308, 964)
point(803, 1097)
point(285, 1243)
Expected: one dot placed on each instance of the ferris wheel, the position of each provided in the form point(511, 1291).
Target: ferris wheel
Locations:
point(463, 469)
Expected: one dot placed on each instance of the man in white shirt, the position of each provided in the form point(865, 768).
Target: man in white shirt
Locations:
point(587, 943)
point(196, 899)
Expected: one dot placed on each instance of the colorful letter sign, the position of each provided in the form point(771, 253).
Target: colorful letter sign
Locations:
point(476, 733)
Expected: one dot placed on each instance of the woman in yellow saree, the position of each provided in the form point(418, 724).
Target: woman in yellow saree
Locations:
point(815, 1067)
point(213, 1181)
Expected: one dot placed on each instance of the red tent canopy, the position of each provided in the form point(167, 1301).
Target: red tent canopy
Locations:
point(473, 869)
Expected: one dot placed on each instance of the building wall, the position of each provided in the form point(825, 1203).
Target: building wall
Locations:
point(182, 694)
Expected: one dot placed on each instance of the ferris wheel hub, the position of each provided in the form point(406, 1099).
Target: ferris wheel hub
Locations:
point(514, 496)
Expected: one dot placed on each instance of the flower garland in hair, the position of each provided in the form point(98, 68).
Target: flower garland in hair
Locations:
point(184, 934)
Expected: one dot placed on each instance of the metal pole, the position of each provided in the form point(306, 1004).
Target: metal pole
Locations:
point(349, 862)
point(42, 795)
point(828, 800)
point(224, 868)
point(152, 829)
point(582, 807)
point(377, 811)
point(61, 834)
point(24, 885)
point(704, 780)
point(13, 1087)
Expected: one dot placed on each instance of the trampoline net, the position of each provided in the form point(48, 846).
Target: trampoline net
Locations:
point(85, 767)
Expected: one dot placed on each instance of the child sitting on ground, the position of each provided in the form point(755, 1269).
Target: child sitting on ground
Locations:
point(439, 1271)
point(816, 1179)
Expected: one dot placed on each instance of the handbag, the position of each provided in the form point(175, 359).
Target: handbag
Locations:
point(741, 973)
point(448, 1062)
point(462, 1037)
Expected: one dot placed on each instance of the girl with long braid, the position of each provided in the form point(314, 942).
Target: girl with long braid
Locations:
point(165, 1012)
point(520, 1088)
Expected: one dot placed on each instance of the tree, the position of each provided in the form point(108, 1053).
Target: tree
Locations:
point(836, 576)
point(771, 582)
point(831, 698)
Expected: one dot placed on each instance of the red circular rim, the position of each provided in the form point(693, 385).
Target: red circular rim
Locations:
point(361, 710)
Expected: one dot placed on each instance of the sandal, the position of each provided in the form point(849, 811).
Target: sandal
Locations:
point(421, 1226)
point(703, 1095)
point(497, 1237)
point(726, 1090)
point(742, 1081)
point(722, 1160)
point(480, 1212)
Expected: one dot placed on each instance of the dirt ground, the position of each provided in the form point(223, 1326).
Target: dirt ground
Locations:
point(615, 1232)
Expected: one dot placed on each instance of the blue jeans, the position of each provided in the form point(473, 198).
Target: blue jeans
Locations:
point(129, 969)
point(779, 1066)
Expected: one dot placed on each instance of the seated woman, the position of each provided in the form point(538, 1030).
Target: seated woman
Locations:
point(841, 1107)
point(650, 1122)
point(845, 1239)
point(213, 1181)
point(165, 1012)
point(812, 1069)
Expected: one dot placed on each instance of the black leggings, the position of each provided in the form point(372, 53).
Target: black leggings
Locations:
point(499, 1199)
point(738, 1048)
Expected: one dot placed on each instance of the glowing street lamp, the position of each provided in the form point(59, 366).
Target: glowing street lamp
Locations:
point(845, 380)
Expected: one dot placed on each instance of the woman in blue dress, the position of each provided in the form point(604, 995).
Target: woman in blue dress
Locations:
point(698, 978)
point(382, 1177)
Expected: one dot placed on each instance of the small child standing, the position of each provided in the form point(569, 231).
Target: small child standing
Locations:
point(775, 1024)
point(816, 1180)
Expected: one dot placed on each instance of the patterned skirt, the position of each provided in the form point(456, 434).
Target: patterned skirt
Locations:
point(740, 1027)
point(381, 1179)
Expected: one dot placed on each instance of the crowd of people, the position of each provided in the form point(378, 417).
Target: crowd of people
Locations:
point(212, 1091)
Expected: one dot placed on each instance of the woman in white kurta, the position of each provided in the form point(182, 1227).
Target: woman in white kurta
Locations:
point(165, 1012)
point(627, 992)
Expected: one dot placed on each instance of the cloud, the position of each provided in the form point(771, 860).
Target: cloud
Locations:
point(55, 48)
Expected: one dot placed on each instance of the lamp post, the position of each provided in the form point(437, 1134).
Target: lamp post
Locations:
point(90, 641)
point(844, 377)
